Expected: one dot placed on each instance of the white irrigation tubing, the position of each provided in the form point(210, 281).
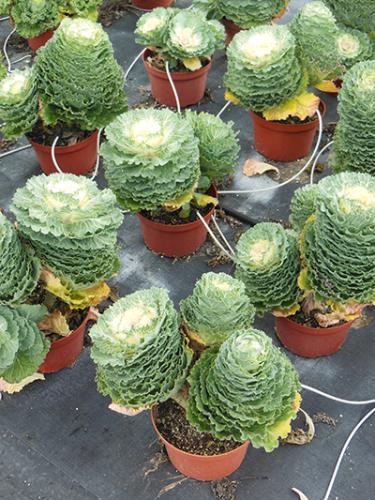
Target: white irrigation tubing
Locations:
point(173, 87)
point(9, 64)
point(338, 400)
point(223, 109)
point(210, 232)
point(133, 64)
point(54, 156)
point(98, 155)
point(8, 153)
point(21, 59)
point(4, 18)
point(222, 235)
point(316, 161)
point(278, 186)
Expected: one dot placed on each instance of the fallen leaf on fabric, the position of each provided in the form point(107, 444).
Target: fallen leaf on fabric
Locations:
point(14, 388)
point(254, 167)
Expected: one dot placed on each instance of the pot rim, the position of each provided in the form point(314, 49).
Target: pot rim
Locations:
point(41, 35)
point(62, 149)
point(66, 340)
point(177, 75)
point(289, 127)
point(185, 453)
point(309, 330)
point(179, 228)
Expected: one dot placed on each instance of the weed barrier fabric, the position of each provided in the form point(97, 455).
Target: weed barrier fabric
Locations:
point(58, 438)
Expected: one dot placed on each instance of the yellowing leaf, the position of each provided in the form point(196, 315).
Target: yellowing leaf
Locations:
point(13, 388)
point(130, 412)
point(255, 167)
point(202, 200)
point(231, 97)
point(282, 429)
point(297, 402)
point(282, 11)
point(302, 107)
point(284, 313)
point(303, 280)
point(76, 299)
point(173, 205)
point(328, 86)
point(55, 323)
point(193, 64)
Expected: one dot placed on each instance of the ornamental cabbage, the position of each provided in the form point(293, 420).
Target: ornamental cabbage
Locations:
point(33, 17)
point(354, 46)
point(316, 33)
point(263, 68)
point(302, 206)
point(359, 14)
point(72, 226)
point(267, 261)
point(5, 6)
point(19, 271)
point(151, 157)
point(140, 355)
point(80, 8)
point(354, 145)
point(85, 88)
point(245, 390)
point(338, 241)
point(18, 103)
point(218, 144)
point(23, 346)
point(217, 308)
point(179, 35)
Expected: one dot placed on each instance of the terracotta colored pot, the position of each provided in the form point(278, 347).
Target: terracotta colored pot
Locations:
point(190, 85)
point(202, 467)
point(311, 342)
point(152, 4)
point(231, 29)
point(40, 40)
point(76, 159)
point(65, 351)
point(284, 141)
point(175, 240)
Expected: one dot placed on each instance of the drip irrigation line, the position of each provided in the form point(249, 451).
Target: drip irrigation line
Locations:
point(9, 64)
point(98, 154)
point(4, 18)
point(133, 64)
point(57, 167)
point(316, 161)
point(210, 232)
point(28, 56)
point(8, 153)
point(222, 235)
point(226, 105)
point(338, 400)
point(173, 87)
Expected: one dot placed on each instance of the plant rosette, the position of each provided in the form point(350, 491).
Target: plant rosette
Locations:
point(186, 41)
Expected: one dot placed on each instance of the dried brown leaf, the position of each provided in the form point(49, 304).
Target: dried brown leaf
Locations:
point(130, 412)
point(301, 436)
point(253, 167)
point(301, 495)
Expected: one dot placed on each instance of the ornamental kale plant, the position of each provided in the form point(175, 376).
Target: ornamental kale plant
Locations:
point(218, 145)
point(302, 206)
point(354, 145)
point(18, 103)
point(140, 355)
point(23, 346)
point(263, 68)
point(267, 262)
point(338, 241)
point(316, 32)
point(19, 270)
point(354, 46)
point(86, 87)
point(359, 14)
point(72, 226)
point(217, 308)
point(245, 390)
point(151, 159)
point(180, 36)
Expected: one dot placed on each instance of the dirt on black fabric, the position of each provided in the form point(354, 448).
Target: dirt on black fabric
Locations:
point(18, 43)
point(293, 120)
point(173, 218)
point(6, 144)
point(172, 424)
point(224, 489)
point(68, 136)
point(157, 62)
point(112, 10)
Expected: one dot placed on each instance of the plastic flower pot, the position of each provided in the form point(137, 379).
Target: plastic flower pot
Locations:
point(190, 85)
point(284, 141)
point(202, 467)
point(40, 40)
point(65, 351)
point(177, 240)
point(311, 342)
point(76, 159)
point(152, 4)
point(231, 29)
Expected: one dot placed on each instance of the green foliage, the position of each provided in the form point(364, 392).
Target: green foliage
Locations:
point(81, 8)
point(302, 206)
point(354, 47)
point(140, 355)
point(338, 244)
point(246, 390)
point(85, 87)
point(18, 103)
point(23, 346)
point(218, 144)
point(316, 32)
point(151, 157)
point(19, 271)
point(354, 145)
point(180, 34)
point(209, 7)
point(359, 14)
point(5, 7)
point(267, 261)
point(72, 225)
point(250, 13)
point(217, 307)
point(263, 68)
point(33, 17)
